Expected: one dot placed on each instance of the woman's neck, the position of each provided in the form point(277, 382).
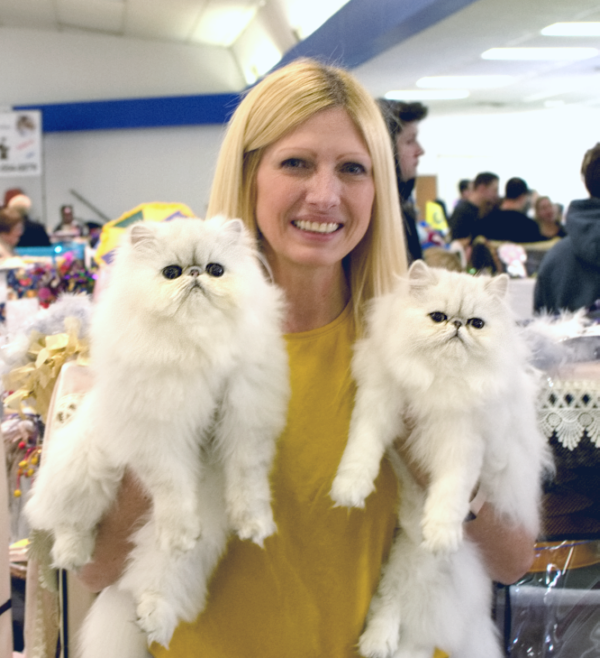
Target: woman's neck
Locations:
point(314, 297)
point(549, 229)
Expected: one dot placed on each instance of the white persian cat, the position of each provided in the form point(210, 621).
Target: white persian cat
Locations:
point(190, 393)
point(443, 367)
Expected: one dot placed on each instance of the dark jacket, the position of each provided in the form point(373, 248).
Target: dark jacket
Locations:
point(569, 276)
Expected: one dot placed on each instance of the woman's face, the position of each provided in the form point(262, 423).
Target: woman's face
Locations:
point(13, 236)
point(315, 192)
point(545, 210)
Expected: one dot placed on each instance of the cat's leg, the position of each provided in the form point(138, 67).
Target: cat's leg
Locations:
point(110, 630)
point(382, 632)
point(169, 467)
point(75, 485)
point(375, 423)
point(169, 588)
point(252, 417)
point(455, 467)
point(464, 607)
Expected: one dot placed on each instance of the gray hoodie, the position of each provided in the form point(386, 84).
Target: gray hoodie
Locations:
point(569, 276)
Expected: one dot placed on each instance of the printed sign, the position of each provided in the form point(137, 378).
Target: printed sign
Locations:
point(21, 143)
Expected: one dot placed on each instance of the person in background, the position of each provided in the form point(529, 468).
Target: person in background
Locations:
point(11, 229)
point(509, 223)
point(68, 228)
point(569, 275)
point(34, 233)
point(481, 199)
point(465, 187)
point(547, 219)
point(402, 121)
point(307, 164)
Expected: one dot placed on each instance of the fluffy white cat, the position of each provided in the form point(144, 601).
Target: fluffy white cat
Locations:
point(190, 392)
point(442, 366)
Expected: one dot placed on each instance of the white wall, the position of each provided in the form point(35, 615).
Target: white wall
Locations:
point(117, 170)
point(54, 67)
point(543, 147)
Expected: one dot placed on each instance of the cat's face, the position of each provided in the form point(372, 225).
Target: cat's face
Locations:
point(184, 269)
point(456, 316)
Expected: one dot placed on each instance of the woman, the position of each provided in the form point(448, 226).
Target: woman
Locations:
point(545, 216)
point(11, 229)
point(308, 165)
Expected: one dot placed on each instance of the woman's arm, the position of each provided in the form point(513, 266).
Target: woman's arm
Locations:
point(508, 550)
point(113, 542)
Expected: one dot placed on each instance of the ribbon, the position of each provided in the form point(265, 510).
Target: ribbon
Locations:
point(34, 382)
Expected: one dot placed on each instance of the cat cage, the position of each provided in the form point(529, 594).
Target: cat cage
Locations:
point(554, 610)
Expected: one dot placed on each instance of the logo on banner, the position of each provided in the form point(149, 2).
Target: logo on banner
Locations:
point(20, 143)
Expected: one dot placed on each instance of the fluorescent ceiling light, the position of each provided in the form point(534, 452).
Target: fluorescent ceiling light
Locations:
point(464, 81)
point(589, 29)
point(540, 54)
point(426, 94)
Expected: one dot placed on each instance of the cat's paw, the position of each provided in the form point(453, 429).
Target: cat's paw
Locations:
point(441, 536)
point(380, 639)
point(178, 535)
point(72, 549)
point(256, 527)
point(156, 618)
point(351, 488)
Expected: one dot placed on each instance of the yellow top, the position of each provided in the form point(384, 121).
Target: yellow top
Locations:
point(307, 593)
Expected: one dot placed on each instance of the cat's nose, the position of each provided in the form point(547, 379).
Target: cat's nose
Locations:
point(195, 271)
point(457, 324)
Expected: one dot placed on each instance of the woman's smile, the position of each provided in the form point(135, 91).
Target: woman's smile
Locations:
point(315, 192)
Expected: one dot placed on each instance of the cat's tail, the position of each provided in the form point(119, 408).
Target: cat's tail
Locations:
point(110, 629)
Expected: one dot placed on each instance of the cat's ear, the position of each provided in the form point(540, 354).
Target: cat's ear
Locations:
point(498, 285)
point(235, 227)
point(420, 276)
point(142, 234)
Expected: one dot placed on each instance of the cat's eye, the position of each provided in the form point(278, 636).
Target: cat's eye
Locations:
point(172, 271)
point(477, 323)
point(438, 316)
point(214, 269)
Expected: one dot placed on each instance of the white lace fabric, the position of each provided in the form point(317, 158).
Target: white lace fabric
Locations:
point(570, 410)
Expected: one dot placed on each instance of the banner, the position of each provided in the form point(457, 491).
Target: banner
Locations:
point(21, 143)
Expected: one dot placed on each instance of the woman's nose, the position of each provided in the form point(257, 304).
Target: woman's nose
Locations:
point(323, 189)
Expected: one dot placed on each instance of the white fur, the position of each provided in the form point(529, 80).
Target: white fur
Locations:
point(463, 399)
point(190, 393)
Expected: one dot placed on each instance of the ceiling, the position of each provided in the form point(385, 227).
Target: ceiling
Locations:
point(438, 43)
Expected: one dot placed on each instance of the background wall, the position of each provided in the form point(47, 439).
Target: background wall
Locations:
point(544, 147)
point(116, 170)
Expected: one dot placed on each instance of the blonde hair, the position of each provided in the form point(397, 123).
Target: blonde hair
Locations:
point(280, 103)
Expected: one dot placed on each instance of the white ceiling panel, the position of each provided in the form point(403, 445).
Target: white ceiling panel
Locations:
point(28, 13)
point(156, 19)
point(223, 21)
point(96, 15)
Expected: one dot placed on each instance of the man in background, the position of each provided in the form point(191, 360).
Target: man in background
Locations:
point(402, 121)
point(34, 234)
point(569, 276)
point(481, 199)
point(509, 222)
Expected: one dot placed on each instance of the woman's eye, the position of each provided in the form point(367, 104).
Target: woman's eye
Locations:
point(438, 316)
point(214, 269)
point(354, 168)
point(172, 271)
point(294, 163)
point(477, 323)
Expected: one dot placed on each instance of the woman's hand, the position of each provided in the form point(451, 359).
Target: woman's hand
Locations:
point(508, 550)
point(113, 540)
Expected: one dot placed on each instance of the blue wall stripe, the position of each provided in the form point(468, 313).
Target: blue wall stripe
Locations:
point(136, 112)
point(359, 31)
point(363, 29)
